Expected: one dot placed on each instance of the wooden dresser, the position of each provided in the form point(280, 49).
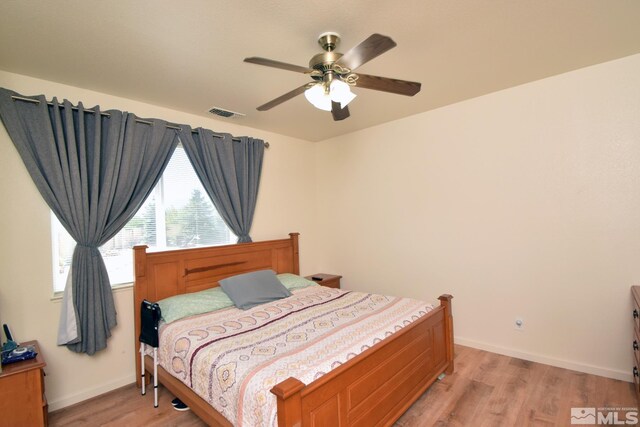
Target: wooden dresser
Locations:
point(330, 280)
point(22, 399)
point(635, 297)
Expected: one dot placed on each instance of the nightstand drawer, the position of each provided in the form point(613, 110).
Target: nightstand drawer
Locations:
point(636, 348)
point(635, 298)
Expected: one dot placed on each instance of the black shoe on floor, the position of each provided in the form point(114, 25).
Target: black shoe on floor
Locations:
point(180, 406)
point(176, 401)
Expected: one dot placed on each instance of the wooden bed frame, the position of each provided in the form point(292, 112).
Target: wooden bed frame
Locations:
point(374, 388)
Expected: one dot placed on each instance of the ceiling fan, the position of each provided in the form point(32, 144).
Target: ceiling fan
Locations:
point(333, 75)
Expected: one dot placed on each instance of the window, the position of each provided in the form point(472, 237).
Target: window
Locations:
point(177, 214)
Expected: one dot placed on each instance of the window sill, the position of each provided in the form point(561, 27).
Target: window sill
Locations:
point(57, 296)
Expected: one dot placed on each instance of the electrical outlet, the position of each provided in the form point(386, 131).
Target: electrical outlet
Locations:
point(519, 324)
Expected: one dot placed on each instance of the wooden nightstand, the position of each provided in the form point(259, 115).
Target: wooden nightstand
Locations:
point(329, 280)
point(22, 400)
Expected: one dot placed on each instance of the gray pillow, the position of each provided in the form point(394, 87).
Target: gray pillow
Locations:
point(255, 288)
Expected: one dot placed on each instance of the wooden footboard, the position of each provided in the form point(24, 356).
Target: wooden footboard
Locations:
point(378, 386)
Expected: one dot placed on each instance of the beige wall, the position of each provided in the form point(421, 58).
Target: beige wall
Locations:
point(522, 203)
point(286, 193)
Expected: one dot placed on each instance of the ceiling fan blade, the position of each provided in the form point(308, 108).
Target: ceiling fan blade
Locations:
point(372, 47)
point(279, 100)
point(339, 113)
point(385, 84)
point(277, 64)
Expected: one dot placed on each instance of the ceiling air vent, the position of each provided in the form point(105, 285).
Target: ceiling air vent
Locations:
point(225, 113)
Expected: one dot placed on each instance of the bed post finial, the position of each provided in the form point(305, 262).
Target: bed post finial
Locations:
point(445, 301)
point(289, 402)
point(296, 255)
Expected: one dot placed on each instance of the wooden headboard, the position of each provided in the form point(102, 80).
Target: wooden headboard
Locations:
point(159, 275)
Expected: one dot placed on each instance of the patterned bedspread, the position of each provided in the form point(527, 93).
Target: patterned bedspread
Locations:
point(232, 358)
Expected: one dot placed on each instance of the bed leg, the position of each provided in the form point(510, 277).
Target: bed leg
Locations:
point(445, 301)
point(142, 379)
point(289, 402)
point(155, 377)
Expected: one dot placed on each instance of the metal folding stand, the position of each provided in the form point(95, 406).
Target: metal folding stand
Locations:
point(155, 373)
point(150, 317)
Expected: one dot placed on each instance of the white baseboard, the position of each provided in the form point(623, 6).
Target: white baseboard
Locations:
point(90, 392)
point(539, 358)
point(560, 363)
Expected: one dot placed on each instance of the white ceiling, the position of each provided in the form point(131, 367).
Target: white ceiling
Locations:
point(188, 55)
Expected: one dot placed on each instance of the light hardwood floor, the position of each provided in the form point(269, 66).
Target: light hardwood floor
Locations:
point(486, 389)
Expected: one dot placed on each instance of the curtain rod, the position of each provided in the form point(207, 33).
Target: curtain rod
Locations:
point(169, 125)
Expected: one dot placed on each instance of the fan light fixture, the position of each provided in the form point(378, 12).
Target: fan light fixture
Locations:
point(341, 92)
point(321, 98)
point(317, 96)
point(333, 74)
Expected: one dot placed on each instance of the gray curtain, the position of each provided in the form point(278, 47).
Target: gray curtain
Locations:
point(94, 171)
point(229, 169)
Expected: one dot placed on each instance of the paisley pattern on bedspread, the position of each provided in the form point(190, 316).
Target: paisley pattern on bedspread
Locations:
point(232, 358)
